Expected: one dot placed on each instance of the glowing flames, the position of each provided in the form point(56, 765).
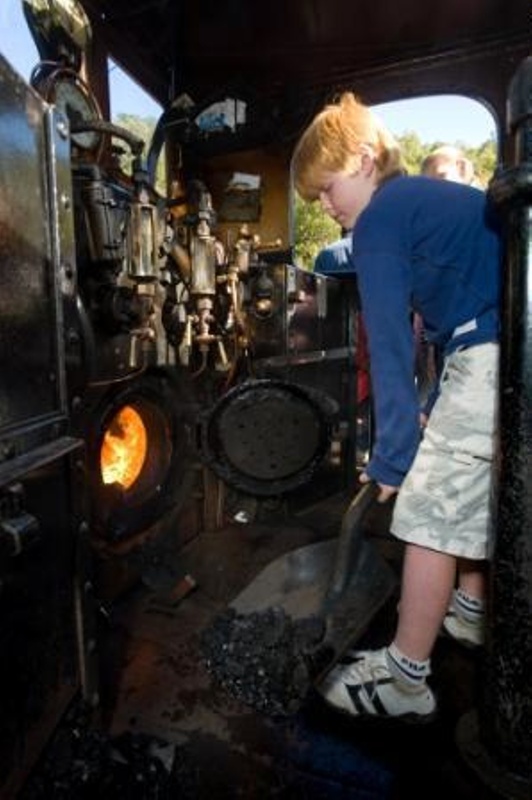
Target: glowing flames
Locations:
point(124, 448)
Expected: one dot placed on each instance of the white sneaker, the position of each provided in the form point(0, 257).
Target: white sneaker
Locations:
point(467, 633)
point(366, 688)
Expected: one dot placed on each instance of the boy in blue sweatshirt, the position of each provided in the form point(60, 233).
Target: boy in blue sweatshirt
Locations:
point(431, 247)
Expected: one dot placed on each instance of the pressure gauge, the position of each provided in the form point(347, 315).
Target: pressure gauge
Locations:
point(73, 99)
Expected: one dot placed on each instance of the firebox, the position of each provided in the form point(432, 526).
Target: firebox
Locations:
point(139, 439)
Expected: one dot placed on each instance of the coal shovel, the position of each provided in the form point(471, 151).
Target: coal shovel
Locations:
point(343, 581)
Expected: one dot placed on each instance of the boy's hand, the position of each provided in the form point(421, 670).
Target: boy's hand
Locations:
point(385, 491)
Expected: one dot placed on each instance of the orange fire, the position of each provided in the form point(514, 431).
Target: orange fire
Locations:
point(124, 448)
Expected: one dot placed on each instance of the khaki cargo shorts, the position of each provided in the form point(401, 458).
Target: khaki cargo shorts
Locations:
point(444, 502)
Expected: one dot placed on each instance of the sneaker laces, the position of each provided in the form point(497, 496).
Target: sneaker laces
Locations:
point(368, 671)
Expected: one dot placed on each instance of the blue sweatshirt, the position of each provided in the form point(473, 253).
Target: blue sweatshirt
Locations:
point(434, 247)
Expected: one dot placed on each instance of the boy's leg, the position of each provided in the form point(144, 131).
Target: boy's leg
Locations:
point(472, 577)
point(391, 682)
point(427, 584)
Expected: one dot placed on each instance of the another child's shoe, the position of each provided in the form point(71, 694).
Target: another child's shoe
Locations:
point(469, 634)
point(366, 688)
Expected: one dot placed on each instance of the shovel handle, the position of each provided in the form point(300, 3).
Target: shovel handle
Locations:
point(350, 538)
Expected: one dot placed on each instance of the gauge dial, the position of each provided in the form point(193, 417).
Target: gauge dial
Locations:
point(73, 100)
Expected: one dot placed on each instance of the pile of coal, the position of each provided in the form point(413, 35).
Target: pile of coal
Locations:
point(265, 659)
point(83, 763)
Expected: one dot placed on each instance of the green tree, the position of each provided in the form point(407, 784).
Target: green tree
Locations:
point(313, 230)
point(142, 128)
point(413, 151)
point(484, 159)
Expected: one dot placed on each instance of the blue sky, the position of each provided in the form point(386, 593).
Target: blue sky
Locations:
point(445, 119)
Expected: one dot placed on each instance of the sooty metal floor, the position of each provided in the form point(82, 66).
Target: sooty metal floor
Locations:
point(157, 685)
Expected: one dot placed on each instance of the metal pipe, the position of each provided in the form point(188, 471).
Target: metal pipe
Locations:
point(502, 753)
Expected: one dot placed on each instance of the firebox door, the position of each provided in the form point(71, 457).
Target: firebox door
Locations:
point(140, 455)
point(267, 437)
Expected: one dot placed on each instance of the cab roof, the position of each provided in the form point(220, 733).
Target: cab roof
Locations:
point(285, 56)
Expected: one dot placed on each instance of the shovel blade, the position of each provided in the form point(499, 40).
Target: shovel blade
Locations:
point(299, 583)
point(296, 582)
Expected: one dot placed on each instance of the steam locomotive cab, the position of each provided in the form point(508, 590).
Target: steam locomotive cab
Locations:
point(178, 403)
point(169, 354)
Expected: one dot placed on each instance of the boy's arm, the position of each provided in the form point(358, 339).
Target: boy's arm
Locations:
point(386, 304)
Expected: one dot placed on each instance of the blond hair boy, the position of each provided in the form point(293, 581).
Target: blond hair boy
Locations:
point(432, 247)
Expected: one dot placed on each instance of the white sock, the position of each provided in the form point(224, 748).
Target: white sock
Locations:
point(406, 669)
point(469, 608)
